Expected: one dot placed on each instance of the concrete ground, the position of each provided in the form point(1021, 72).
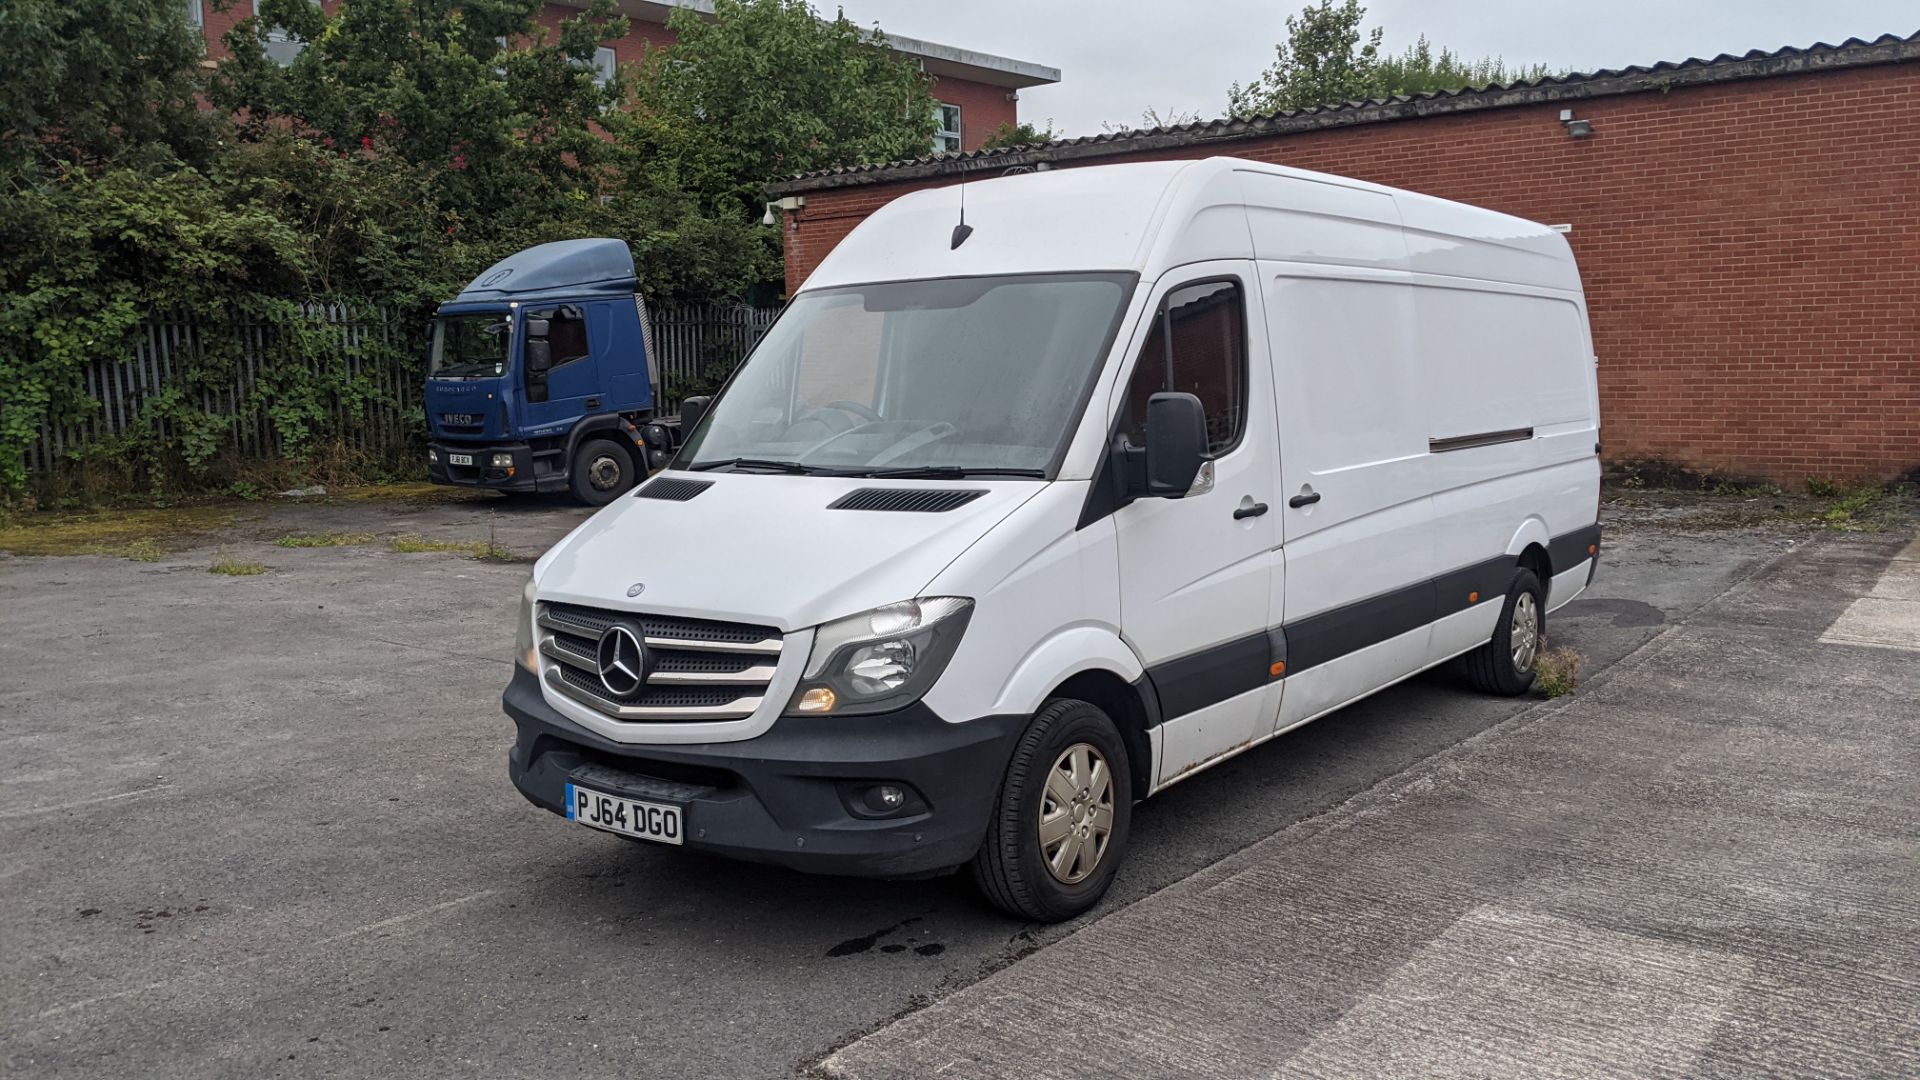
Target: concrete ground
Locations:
point(260, 826)
point(1706, 864)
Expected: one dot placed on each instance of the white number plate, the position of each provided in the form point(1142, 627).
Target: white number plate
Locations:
point(629, 817)
point(459, 459)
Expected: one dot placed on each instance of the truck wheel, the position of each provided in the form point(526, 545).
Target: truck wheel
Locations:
point(1059, 827)
point(1505, 664)
point(601, 470)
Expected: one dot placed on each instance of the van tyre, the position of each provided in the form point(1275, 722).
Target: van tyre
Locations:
point(600, 471)
point(1505, 665)
point(1059, 826)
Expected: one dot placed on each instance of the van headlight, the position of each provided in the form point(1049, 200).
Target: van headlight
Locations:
point(881, 659)
point(523, 653)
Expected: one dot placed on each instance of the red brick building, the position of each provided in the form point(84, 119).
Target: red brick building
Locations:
point(977, 92)
point(1748, 229)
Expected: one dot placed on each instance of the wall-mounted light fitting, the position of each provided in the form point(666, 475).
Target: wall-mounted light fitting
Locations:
point(791, 202)
point(1579, 129)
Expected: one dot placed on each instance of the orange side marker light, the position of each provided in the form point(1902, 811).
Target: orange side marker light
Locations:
point(1473, 598)
point(1278, 668)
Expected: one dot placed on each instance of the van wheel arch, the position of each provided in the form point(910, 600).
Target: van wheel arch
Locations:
point(1129, 707)
point(1535, 558)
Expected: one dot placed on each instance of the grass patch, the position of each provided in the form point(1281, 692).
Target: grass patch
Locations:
point(413, 493)
point(1557, 672)
point(324, 540)
point(1849, 513)
point(147, 535)
point(484, 550)
point(232, 567)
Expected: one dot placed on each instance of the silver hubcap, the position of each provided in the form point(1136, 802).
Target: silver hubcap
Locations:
point(603, 472)
point(1076, 813)
point(1525, 633)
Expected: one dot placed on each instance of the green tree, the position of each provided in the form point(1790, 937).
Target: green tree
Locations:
point(97, 83)
point(1421, 70)
point(1024, 134)
point(1327, 59)
point(767, 88)
point(498, 131)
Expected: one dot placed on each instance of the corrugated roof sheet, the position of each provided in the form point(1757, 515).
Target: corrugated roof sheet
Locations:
point(1853, 52)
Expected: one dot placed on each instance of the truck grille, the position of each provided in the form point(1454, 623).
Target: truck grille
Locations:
point(695, 669)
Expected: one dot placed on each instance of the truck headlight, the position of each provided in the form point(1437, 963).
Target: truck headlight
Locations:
point(503, 461)
point(433, 456)
point(882, 659)
point(523, 651)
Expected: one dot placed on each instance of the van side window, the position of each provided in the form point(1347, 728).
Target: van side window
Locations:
point(567, 334)
point(1198, 346)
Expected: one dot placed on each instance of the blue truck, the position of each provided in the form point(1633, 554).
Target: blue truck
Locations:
point(541, 377)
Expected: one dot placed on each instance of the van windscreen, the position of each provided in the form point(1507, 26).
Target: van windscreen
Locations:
point(941, 376)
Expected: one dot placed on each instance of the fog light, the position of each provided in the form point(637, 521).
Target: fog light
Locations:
point(433, 455)
point(503, 461)
point(817, 700)
point(885, 798)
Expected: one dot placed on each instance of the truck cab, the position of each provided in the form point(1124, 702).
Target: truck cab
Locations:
point(540, 377)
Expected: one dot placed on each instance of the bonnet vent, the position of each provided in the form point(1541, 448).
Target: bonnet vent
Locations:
point(905, 500)
point(672, 489)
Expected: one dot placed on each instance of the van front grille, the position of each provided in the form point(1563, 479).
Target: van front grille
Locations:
point(693, 669)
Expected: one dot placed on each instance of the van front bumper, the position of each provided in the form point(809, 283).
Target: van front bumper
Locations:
point(791, 796)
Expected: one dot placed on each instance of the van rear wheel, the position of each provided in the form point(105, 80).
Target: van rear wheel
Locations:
point(1059, 827)
point(1505, 664)
point(600, 471)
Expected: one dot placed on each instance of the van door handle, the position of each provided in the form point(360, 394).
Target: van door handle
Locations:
point(1299, 501)
point(1251, 510)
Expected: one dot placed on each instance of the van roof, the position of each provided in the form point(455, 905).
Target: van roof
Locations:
point(1147, 217)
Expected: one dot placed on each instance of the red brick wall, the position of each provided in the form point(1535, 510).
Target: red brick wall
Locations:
point(983, 108)
point(1751, 253)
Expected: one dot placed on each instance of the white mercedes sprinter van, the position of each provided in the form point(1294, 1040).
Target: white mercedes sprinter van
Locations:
point(1006, 526)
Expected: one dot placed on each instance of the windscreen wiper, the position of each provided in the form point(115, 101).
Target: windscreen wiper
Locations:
point(947, 472)
point(761, 464)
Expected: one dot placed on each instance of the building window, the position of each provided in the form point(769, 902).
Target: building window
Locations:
point(281, 47)
point(605, 66)
point(947, 138)
point(1198, 346)
point(196, 15)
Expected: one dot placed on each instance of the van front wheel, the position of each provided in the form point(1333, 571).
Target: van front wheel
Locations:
point(1505, 665)
point(1060, 825)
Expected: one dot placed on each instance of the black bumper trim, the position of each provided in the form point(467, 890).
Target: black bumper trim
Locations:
point(523, 480)
point(781, 797)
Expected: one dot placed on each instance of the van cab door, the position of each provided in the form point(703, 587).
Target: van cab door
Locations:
point(1196, 572)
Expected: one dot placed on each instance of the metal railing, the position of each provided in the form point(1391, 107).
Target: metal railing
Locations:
point(373, 398)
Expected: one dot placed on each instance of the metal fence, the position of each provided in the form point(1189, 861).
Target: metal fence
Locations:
point(694, 346)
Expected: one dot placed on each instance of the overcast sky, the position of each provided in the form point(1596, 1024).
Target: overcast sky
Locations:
point(1118, 58)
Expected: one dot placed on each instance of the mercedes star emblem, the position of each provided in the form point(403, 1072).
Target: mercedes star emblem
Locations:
point(623, 665)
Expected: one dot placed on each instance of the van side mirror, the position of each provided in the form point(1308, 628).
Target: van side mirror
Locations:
point(1176, 443)
point(539, 354)
point(691, 410)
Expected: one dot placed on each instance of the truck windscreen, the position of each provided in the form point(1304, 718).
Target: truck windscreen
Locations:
point(945, 376)
point(470, 346)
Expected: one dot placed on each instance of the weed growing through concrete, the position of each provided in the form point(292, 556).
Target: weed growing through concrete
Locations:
point(324, 540)
point(1557, 672)
point(484, 550)
point(1849, 512)
point(224, 563)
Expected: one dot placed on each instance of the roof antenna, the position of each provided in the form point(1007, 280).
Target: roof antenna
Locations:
point(962, 230)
